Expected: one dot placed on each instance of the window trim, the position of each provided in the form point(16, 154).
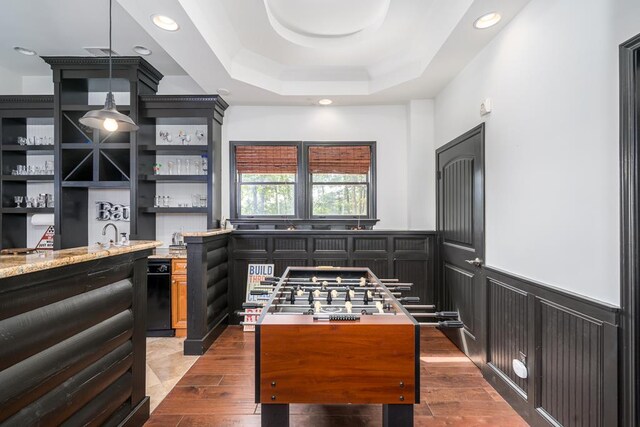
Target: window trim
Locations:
point(303, 184)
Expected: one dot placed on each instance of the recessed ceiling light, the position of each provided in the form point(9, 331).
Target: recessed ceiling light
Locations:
point(223, 91)
point(141, 50)
point(325, 101)
point(487, 20)
point(24, 51)
point(165, 22)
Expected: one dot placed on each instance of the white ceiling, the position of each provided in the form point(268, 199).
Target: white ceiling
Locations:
point(271, 52)
point(66, 27)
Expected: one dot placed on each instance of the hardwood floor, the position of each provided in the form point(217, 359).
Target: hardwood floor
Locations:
point(218, 391)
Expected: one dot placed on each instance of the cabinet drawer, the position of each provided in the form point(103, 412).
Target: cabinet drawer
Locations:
point(179, 266)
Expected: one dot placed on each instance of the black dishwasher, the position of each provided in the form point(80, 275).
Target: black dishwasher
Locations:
point(159, 298)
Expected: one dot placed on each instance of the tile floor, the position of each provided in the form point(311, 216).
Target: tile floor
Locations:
point(218, 391)
point(166, 365)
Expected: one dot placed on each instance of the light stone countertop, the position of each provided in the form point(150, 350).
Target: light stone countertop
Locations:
point(208, 233)
point(14, 265)
point(166, 253)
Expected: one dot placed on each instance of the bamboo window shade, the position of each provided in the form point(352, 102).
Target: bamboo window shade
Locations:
point(267, 159)
point(354, 159)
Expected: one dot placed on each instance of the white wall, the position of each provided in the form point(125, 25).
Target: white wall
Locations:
point(387, 125)
point(552, 188)
point(421, 183)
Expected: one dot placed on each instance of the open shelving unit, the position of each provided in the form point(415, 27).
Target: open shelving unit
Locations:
point(175, 113)
point(87, 158)
point(19, 115)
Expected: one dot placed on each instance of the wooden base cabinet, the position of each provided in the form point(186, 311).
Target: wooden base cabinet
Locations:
point(179, 297)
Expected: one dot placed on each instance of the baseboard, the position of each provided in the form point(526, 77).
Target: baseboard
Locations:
point(199, 346)
point(138, 415)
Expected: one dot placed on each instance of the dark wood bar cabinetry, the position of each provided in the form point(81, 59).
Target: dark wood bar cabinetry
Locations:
point(207, 289)
point(72, 337)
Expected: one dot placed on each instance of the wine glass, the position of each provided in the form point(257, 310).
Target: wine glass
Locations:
point(18, 200)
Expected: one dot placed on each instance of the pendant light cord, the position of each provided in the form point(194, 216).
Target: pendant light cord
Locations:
point(110, 25)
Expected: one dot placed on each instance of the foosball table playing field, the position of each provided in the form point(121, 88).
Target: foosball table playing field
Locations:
point(336, 336)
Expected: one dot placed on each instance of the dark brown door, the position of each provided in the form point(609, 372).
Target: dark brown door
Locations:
point(460, 166)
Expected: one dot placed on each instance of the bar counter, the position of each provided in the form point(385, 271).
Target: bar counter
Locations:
point(72, 336)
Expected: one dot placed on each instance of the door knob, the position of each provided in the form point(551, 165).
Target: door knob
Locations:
point(477, 262)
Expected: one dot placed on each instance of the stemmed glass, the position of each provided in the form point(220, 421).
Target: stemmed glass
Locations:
point(18, 200)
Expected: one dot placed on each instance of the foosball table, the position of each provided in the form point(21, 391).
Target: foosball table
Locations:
point(336, 336)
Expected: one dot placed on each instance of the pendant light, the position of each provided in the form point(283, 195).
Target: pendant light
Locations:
point(109, 118)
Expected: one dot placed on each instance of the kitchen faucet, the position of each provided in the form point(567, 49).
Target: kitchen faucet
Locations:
point(104, 232)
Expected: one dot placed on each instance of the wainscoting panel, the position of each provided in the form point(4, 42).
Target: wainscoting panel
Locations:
point(570, 367)
point(458, 291)
point(570, 344)
point(290, 245)
point(370, 244)
point(405, 255)
point(508, 334)
point(281, 264)
point(379, 266)
point(410, 271)
point(330, 244)
point(410, 245)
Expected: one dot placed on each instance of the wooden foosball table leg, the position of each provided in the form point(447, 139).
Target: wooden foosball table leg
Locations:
point(397, 415)
point(275, 415)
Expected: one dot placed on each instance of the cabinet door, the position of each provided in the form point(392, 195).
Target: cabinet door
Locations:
point(179, 302)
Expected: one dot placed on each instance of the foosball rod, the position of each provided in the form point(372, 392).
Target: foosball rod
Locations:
point(419, 307)
point(445, 324)
point(451, 315)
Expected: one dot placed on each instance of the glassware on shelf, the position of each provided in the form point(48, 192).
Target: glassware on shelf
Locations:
point(205, 164)
point(183, 137)
point(195, 200)
point(203, 200)
point(166, 201)
point(50, 200)
point(197, 165)
point(171, 166)
point(18, 200)
point(31, 203)
point(41, 201)
point(187, 166)
point(22, 140)
point(157, 200)
point(48, 167)
point(179, 168)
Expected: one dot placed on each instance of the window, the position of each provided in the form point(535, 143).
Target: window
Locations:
point(303, 180)
point(266, 176)
point(339, 180)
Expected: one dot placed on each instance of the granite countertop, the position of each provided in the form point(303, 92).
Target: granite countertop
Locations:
point(207, 233)
point(14, 265)
point(165, 253)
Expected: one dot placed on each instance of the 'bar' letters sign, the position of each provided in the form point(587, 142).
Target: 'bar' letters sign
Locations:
point(106, 211)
